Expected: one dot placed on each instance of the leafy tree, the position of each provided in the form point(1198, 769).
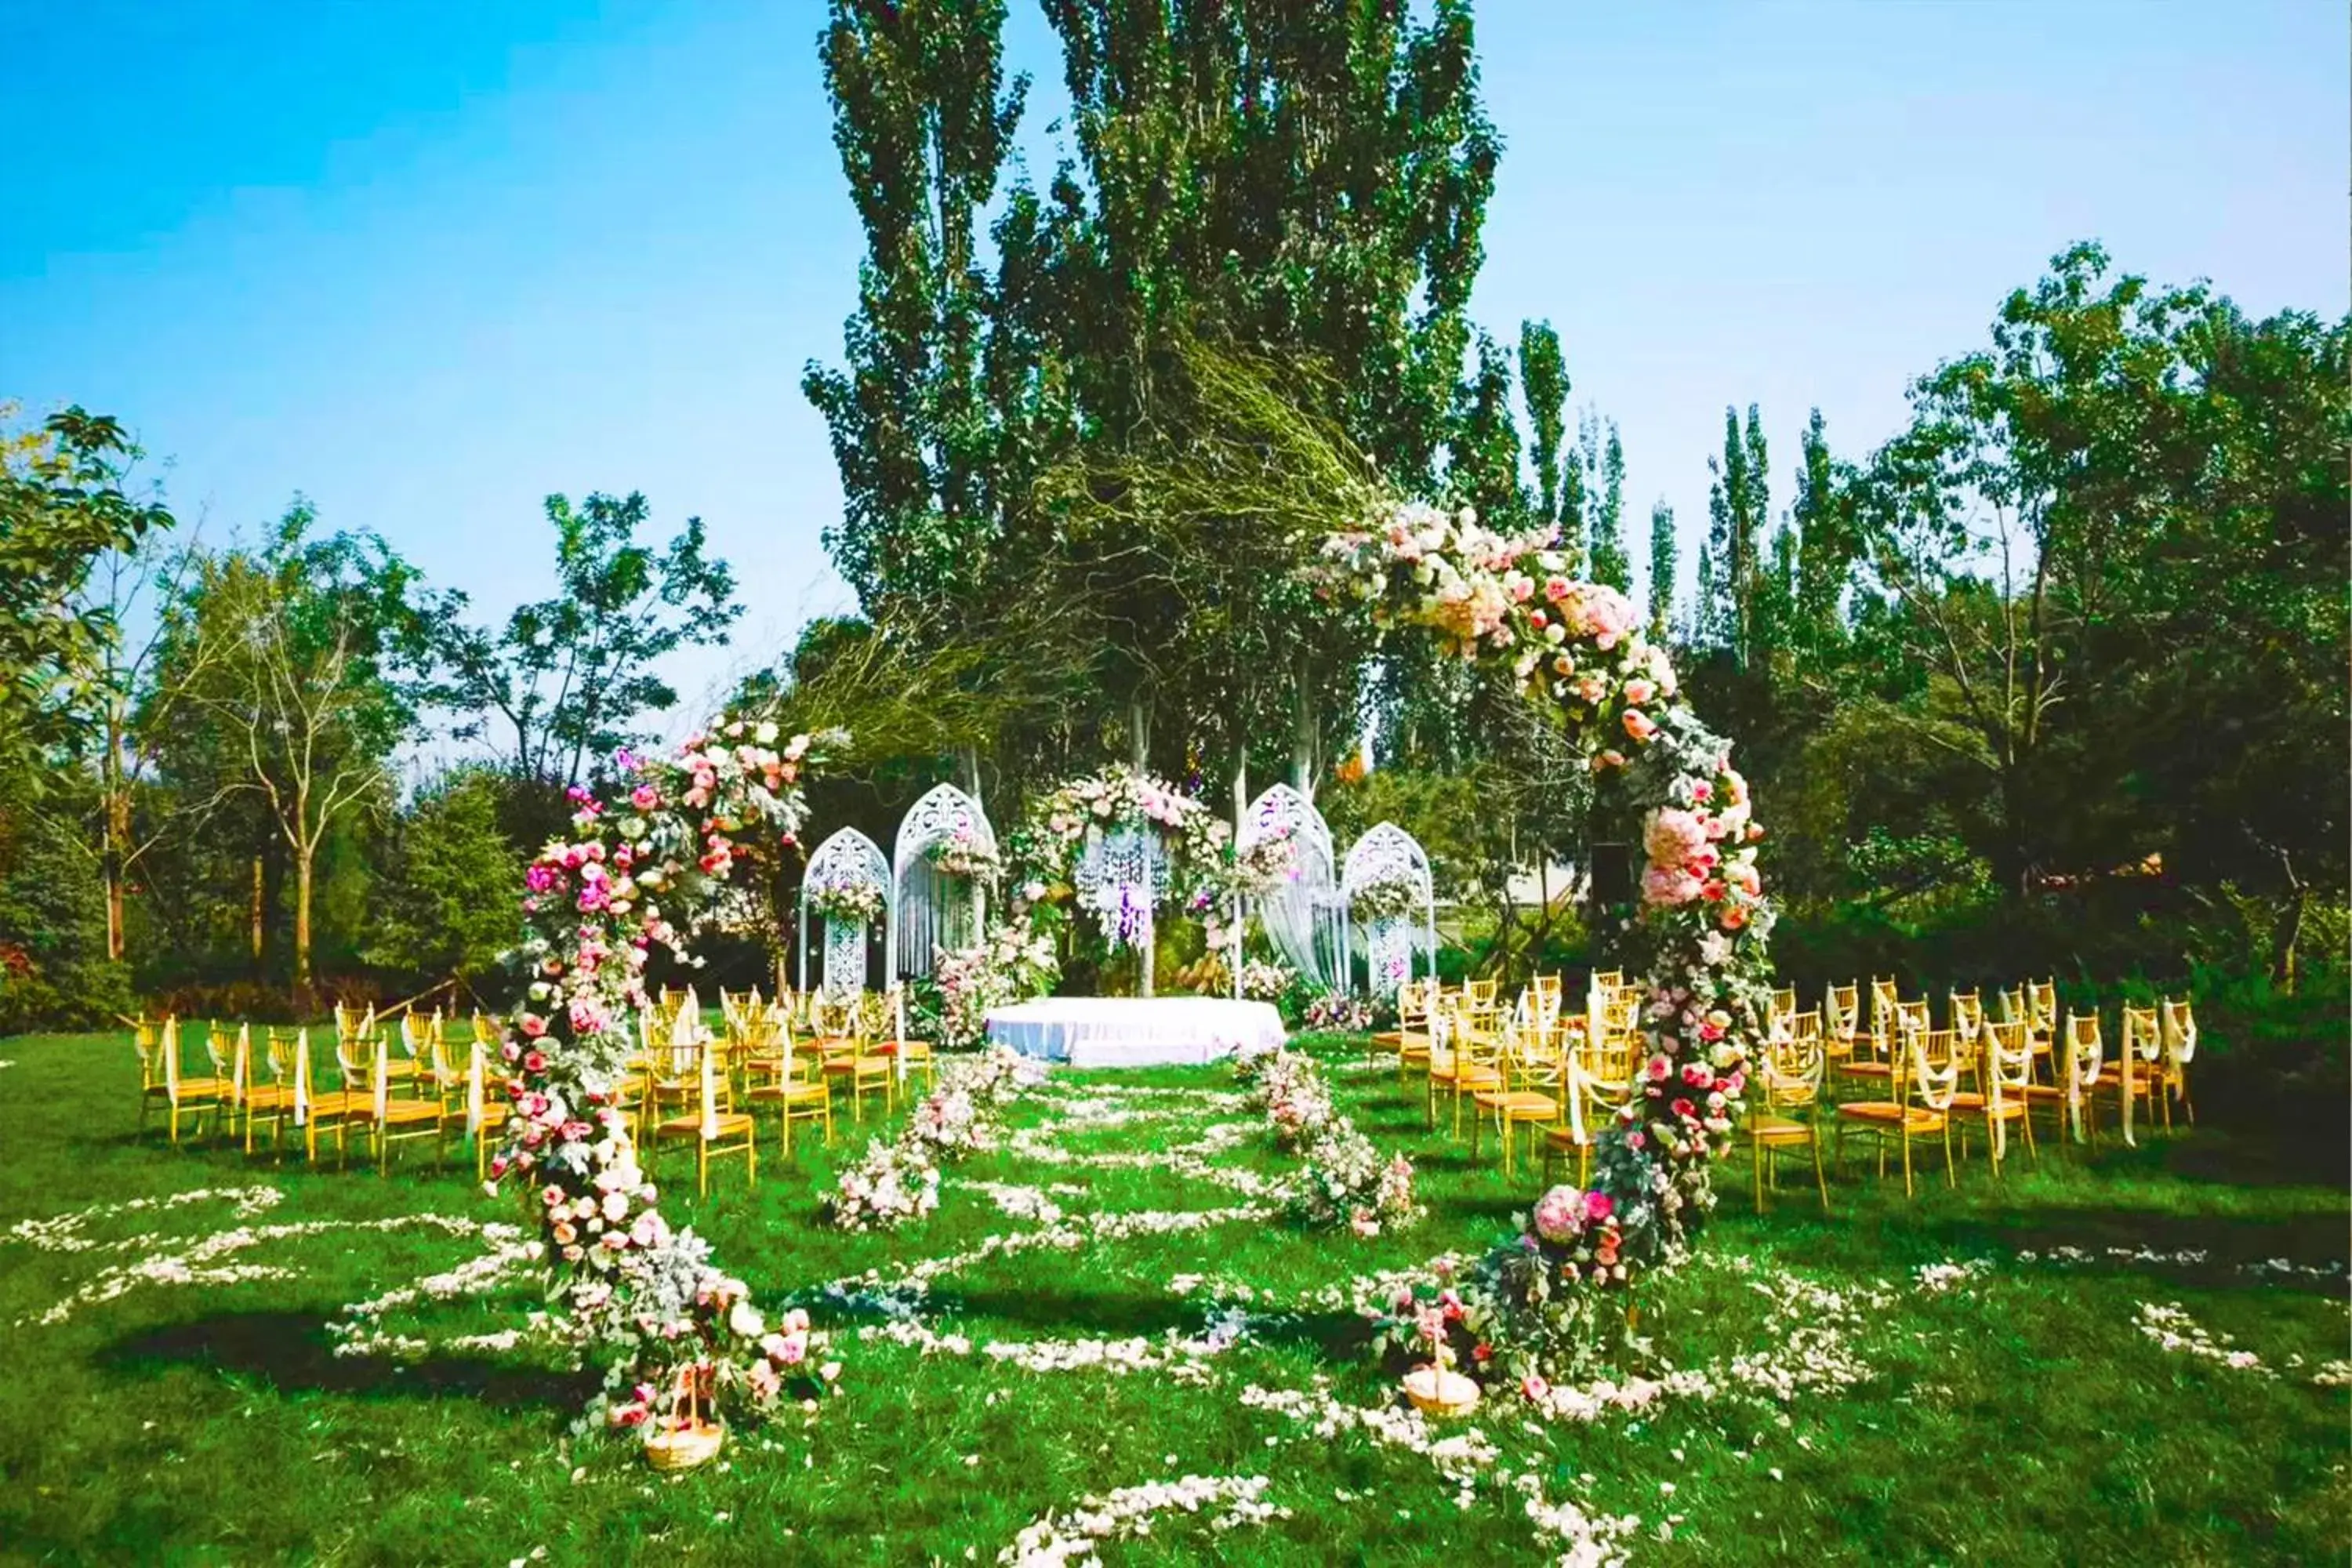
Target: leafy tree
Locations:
point(571, 676)
point(1826, 544)
point(1662, 572)
point(63, 506)
point(295, 657)
point(1612, 563)
point(447, 905)
point(1738, 509)
point(1544, 384)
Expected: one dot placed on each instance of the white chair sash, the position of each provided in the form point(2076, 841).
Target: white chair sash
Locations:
point(302, 1077)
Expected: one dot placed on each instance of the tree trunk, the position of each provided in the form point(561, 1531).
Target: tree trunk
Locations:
point(254, 912)
point(118, 833)
point(302, 869)
point(1305, 736)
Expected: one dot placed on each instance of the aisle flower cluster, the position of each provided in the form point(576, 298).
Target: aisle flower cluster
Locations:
point(626, 1288)
point(1698, 933)
point(899, 1180)
point(1342, 1179)
point(964, 852)
point(1336, 1013)
point(1266, 980)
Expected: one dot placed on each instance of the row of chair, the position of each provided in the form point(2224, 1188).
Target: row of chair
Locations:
point(411, 1078)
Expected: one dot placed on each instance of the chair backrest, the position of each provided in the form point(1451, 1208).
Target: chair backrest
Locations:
point(1966, 1013)
point(2178, 1021)
point(2087, 1050)
point(1481, 993)
point(278, 1047)
point(1935, 1055)
point(2041, 1004)
point(2009, 1060)
point(2008, 1005)
point(1806, 1025)
point(1911, 1017)
point(1883, 998)
point(1841, 1014)
point(1784, 1003)
point(1790, 1071)
point(2141, 1036)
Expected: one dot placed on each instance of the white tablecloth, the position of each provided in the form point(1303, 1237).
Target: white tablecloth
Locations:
point(1136, 1031)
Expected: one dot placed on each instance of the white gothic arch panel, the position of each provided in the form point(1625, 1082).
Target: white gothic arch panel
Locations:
point(849, 858)
point(1389, 859)
point(933, 908)
point(1304, 919)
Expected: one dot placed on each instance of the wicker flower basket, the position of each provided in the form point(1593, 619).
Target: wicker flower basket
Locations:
point(688, 1439)
point(1434, 1391)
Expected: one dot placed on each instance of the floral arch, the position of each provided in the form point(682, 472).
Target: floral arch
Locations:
point(1300, 910)
point(1697, 936)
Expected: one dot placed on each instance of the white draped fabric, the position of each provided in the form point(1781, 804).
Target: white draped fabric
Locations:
point(846, 856)
point(1387, 854)
point(935, 910)
point(1303, 919)
point(1136, 1031)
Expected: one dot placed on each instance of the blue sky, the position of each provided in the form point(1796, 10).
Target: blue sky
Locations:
point(427, 262)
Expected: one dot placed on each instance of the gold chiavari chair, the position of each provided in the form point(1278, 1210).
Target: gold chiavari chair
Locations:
point(274, 1099)
point(1417, 1042)
point(1413, 1016)
point(183, 1098)
point(1597, 1082)
point(793, 1082)
point(400, 1114)
point(2139, 1066)
point(2006, 1058)
point(2177, 1022)
point(1878, 1052)
point(1790, 1074)
point(891, 1038)
point(1472, 1063)
point(2084, 1058)
point(2041, 1021)
point(1918, 1107)
point(331, 1108)
point(1840, 1022)
point(1783, 1007)
point(861, 1068)
point(487, 1109)
point(1529, 1094)
point(713, 1124)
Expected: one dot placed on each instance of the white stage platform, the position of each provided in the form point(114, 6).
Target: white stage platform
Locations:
point(1136, 1031)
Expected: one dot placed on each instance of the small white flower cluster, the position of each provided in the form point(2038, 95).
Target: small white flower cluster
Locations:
point(2170, 1326)
point(1179, 1356)
point(1935, 1278)
point(1069, 1540)
point(1459, 1458)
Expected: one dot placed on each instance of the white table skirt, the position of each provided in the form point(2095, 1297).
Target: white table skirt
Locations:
point(1136, 1031)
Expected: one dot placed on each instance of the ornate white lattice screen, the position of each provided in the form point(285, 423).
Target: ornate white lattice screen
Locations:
point(847, 858)
point(1304, 919)
point(1389, 893)
point(934, 907)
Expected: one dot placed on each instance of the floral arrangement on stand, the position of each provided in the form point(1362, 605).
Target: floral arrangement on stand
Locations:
point(1264, 865)
point(1266, 980)
point(1391, 898)
point(1336, 1013)
point(675, 1335)
point(900, 1181)
point(846, 898)
point(1698, 933)
point(1342, 1179)
point(963, 853)
point(1195, 840)
point(1014, 962)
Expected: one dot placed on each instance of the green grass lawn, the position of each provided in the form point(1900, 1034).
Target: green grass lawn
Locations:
point(1964, 1377)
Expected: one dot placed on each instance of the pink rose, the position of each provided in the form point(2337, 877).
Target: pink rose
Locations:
point(1640, 725)
point(1598, 1206)
point(1534, 1387)
point(1673, 836)
point(1555, 1215)
point(1669, 885)
point(1639, 691)
point(533, 1025)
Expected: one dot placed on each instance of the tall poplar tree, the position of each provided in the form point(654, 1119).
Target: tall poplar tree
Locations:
point(1662, 571)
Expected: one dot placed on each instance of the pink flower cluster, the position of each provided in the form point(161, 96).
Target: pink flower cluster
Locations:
point(1704, 852)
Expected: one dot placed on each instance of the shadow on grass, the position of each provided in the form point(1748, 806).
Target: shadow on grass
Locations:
point(292, 1352)
point(2231, 1244)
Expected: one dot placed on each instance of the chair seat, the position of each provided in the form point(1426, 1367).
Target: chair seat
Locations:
point(729, 1125)
point(913, 1050)
point(1467, 1075)
point(789, 1093)
point(1521, 1104)
point(1866, 1070)
point(202, 1087)
point(1388, 1039)
point(1886, 1114)
point(400, 1111)
point(859, 1065)
point(270, 1096)
point(1567, 1138)
point(1767, 1127)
